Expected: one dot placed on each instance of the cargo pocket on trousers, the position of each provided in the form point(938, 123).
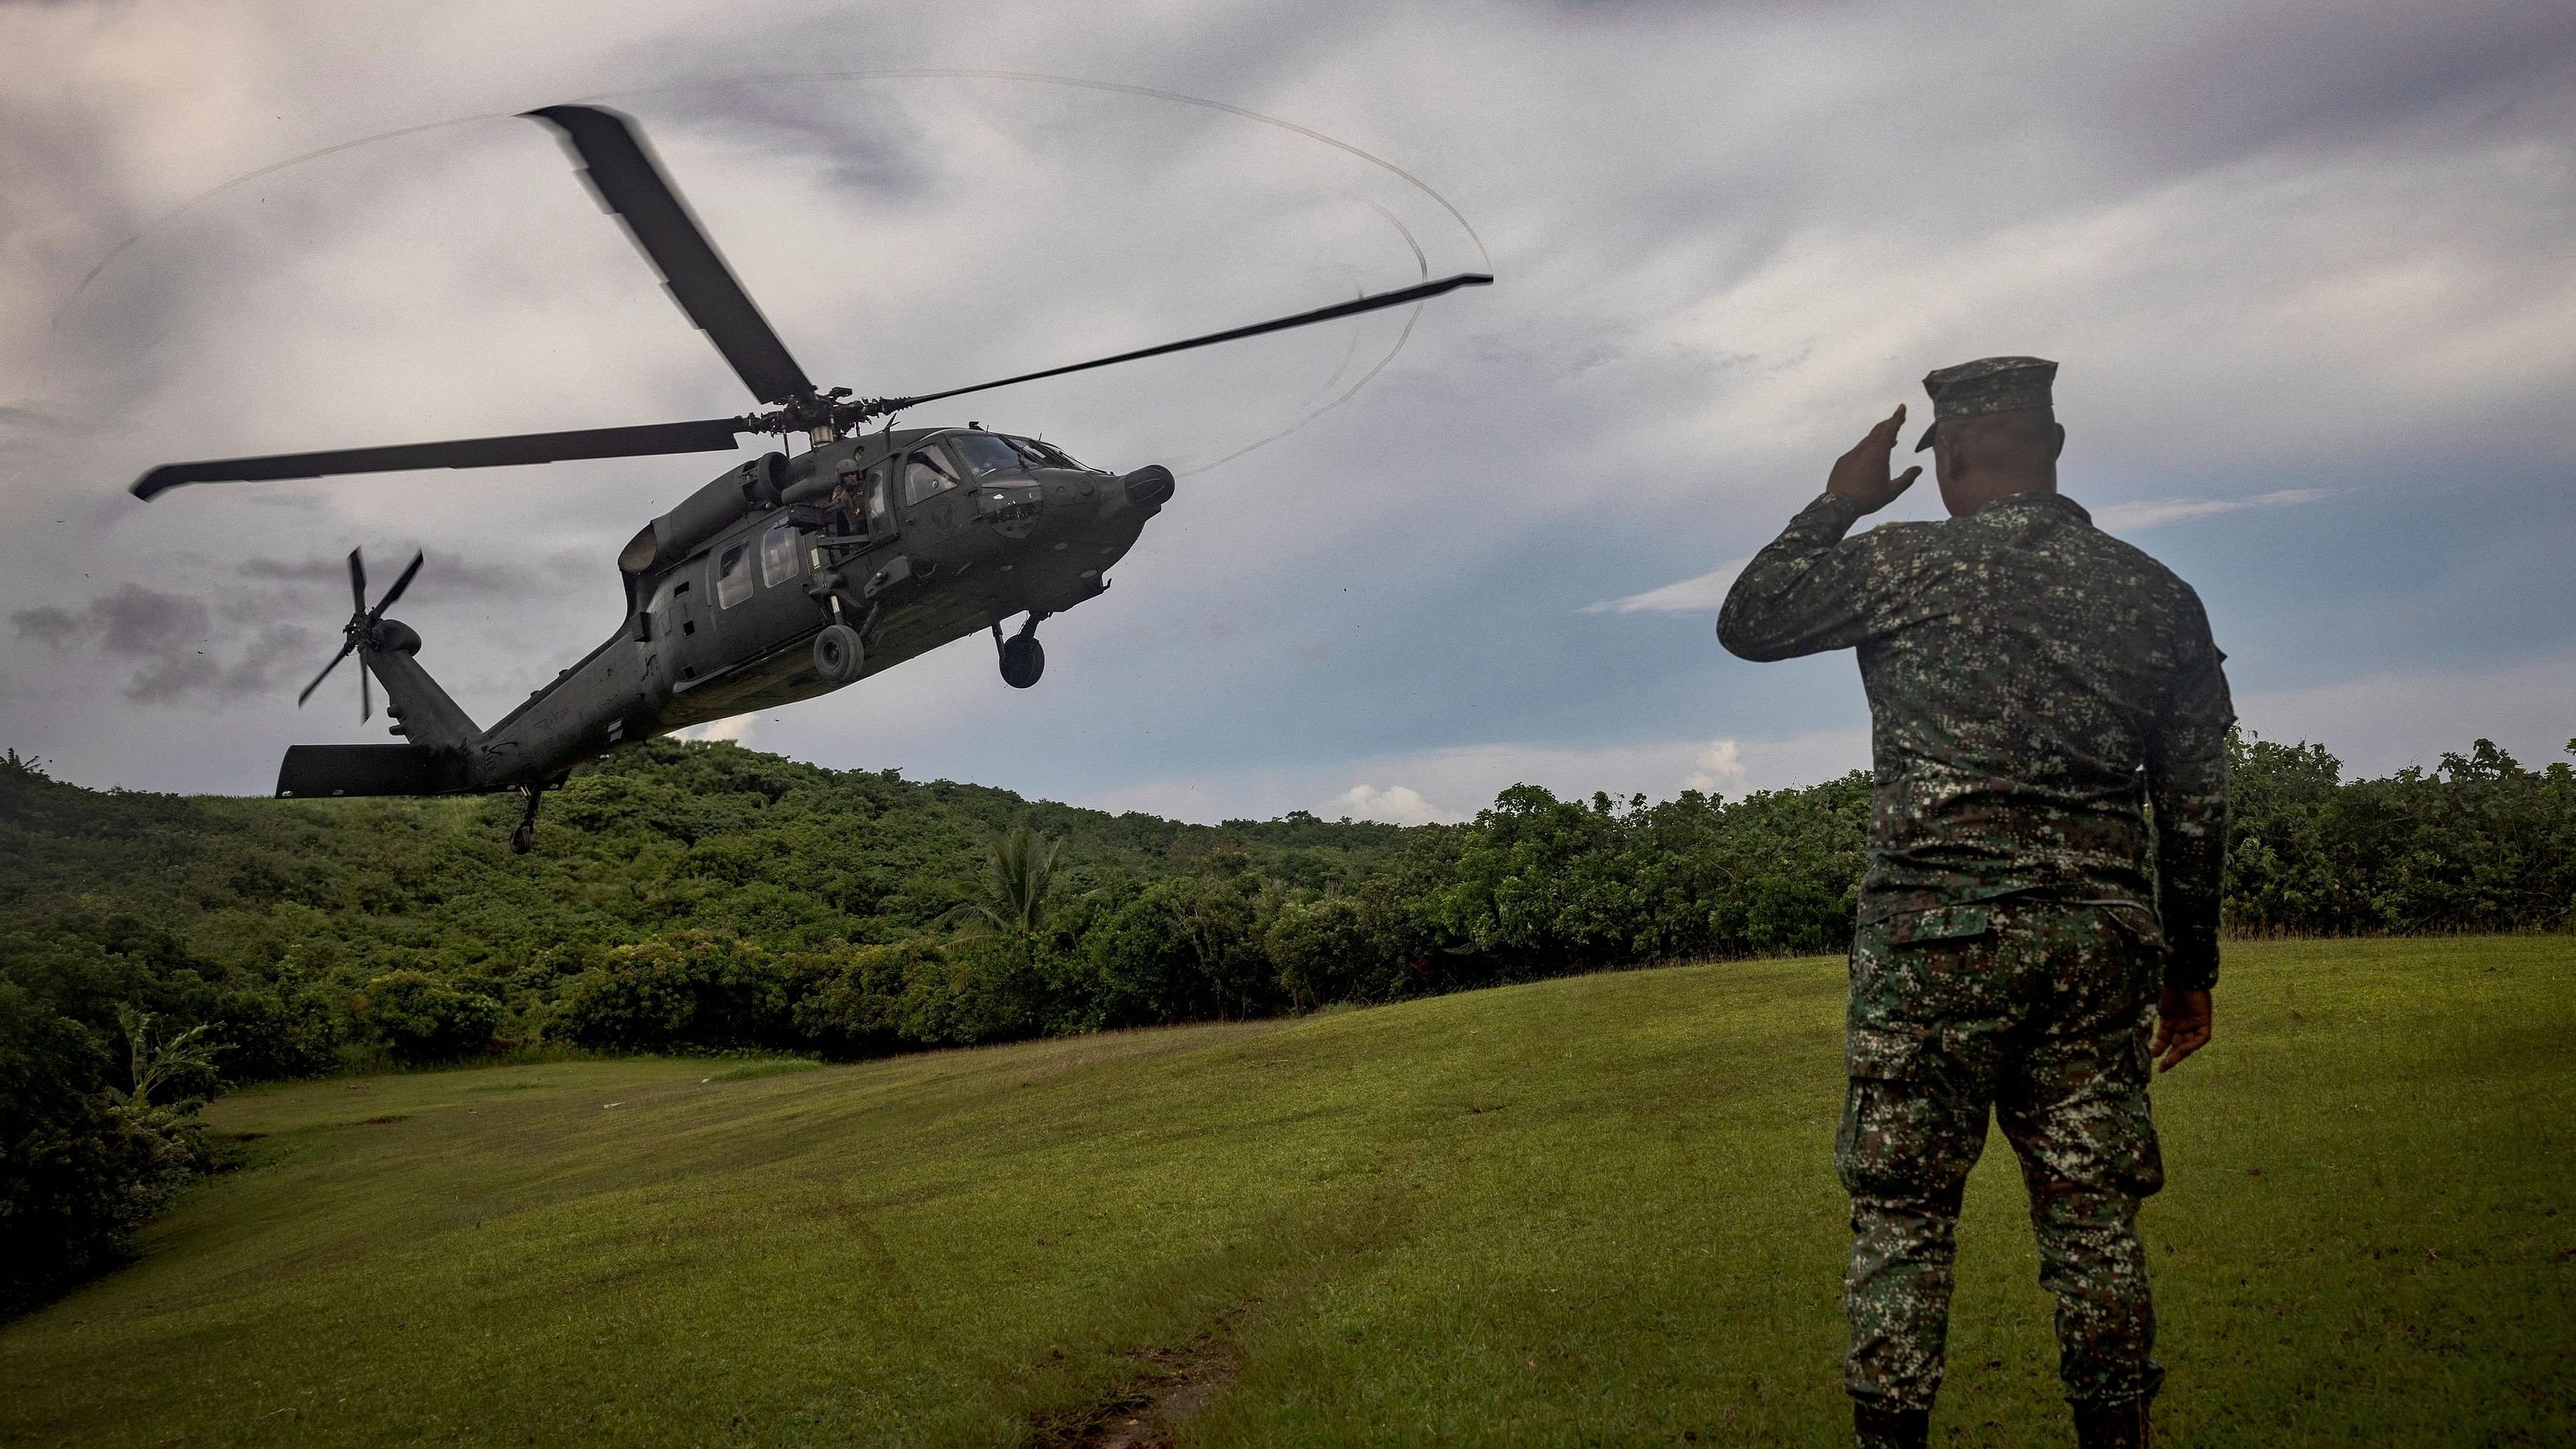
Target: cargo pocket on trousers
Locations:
point(1886, 1130)
point(1883, 1053)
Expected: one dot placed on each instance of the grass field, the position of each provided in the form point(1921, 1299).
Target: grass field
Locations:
point(1591, 1211)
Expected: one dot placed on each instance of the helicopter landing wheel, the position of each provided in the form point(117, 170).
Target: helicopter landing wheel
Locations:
point(1023, 660)
point(838, 655)
point(524, 839)
point(1023, 657)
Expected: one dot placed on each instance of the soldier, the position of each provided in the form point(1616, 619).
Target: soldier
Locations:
point(2027, 940)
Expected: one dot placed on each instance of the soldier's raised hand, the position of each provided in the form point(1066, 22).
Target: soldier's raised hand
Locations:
point(1861, 474)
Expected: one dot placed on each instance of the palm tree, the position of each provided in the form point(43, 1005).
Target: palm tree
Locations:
point(1019, 872)
point(155, 1065)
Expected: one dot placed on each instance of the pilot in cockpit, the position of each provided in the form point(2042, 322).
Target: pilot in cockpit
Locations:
point(849, 500)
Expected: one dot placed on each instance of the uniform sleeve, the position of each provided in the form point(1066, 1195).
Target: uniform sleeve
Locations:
point(2187, 781)
point(1809, 590)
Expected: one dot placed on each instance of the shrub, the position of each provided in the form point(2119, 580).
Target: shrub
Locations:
point(1173, 950)
point(868, 1000)
point(78, 1172)
point(850, 1002)
point(273, 1034)
point(420, 1018)
point(974, 990)
point(1541, 885)
point(698, 988)
point(1344, 948)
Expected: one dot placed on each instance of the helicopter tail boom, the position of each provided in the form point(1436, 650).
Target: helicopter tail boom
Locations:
point(422, 711)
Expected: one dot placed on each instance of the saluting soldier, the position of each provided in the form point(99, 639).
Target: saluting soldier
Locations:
point(2032, 934)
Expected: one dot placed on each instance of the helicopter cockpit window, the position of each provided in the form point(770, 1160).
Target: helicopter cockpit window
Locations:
point(733, 575)
point(987, 454)
point(778, 555)
point(925, 473)
point(1042, 455)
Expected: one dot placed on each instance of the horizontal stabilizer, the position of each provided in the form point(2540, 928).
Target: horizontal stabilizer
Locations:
point(321, 771)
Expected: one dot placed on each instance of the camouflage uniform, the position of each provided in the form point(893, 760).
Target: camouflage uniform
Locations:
point(2033, 683)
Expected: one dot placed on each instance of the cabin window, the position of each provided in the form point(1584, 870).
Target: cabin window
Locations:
point(880, 510)
point(923, 475)
point(733, 575)
point(660, 609)
point(778, 555)
point(985, 454)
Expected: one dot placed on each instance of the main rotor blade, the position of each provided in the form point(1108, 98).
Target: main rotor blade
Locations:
point(345, 651)
point(366, 695)
point(711, 435)
point(1350, 308)
point(357, 584)
point(396, 591)
point(624, 175)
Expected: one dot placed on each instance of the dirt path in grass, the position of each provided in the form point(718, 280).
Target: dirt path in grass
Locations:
point(1169, 1388)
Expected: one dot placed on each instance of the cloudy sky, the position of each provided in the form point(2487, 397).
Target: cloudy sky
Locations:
point(2310, 269)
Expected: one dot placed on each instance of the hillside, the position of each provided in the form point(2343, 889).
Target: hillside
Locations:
point(708, 899)
point(710, 836)
point(1596, 1209)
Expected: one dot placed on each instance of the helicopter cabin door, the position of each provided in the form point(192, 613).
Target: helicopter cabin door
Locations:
point(758, 585)
point(681, 641)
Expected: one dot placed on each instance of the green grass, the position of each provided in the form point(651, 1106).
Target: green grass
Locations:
point(1597, 1210)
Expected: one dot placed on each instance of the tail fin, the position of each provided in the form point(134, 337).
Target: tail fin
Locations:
point(313, 771)
point(423, 711)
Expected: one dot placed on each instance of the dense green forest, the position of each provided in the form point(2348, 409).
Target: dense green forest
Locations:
point(155, 948)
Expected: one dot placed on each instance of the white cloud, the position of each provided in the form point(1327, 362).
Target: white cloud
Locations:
point(1396, 805)
point(1719, 769)
point(1691, 596)
point(2148, 513)
point(2382, 723)
point(1474, 774)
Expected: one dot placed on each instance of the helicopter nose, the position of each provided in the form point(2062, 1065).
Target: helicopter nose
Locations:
point(1148, 488)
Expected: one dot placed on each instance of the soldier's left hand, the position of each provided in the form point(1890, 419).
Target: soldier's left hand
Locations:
point(2182, 1027)
point(1861, 474)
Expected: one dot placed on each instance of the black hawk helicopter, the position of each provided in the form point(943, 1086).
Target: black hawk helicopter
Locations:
point(783, 579)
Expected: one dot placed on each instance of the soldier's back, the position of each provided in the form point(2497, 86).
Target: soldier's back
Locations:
point(2017, 674)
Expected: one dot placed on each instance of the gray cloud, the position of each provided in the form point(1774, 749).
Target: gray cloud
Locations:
point(54, 628)
point(2334, 241)
point(172, 643)
point(548, 575)
point(300, 571)
point(136, 622)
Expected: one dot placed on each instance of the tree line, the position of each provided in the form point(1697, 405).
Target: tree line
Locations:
point(155, 948)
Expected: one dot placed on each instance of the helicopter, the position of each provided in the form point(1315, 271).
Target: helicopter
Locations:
point(780, 580)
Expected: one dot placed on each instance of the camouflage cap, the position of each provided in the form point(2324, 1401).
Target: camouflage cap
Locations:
point(1987, 385)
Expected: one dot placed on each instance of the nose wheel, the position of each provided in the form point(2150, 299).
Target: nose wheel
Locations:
point(1023, 657)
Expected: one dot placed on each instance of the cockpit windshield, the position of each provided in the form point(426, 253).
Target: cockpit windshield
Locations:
point(1043, 455)
point(1000, 452)
point(984, 453)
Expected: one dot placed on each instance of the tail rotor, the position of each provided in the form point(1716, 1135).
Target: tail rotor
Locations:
point(361, 629)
